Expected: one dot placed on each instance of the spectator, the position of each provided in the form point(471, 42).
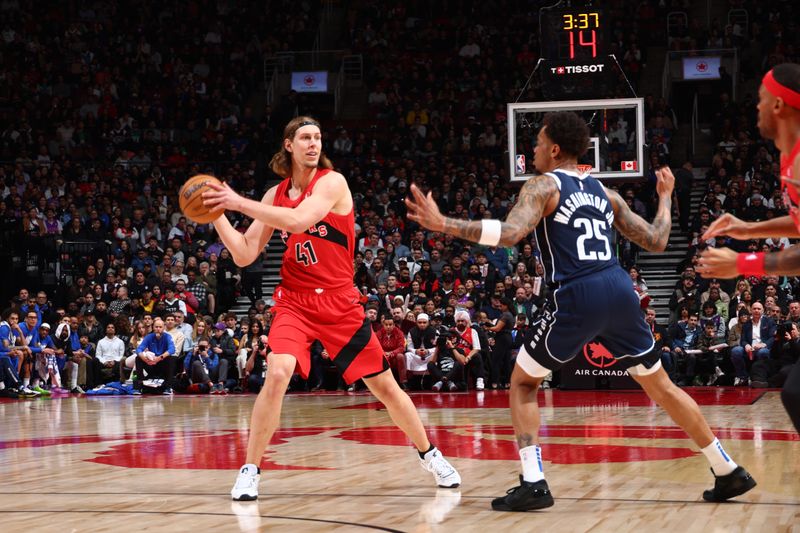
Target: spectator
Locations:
point(178, 337)
point(255, 340)
point(109, 355)
point(47, 372)
point(684, 350)
point(255, 368)
point(420, 343)
point(121, 305)
point(758, 336)
point(393, 343)
point(205, 367)
point(710, 357)
point(155, 357)
point(466, 341)
point(446, 365)
point(221, 344)
point(501, 345)
point(11, 355)
point(774, 371)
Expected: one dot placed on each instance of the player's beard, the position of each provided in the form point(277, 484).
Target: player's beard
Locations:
point(767, 131)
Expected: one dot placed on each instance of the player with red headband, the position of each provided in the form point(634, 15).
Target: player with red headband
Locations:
point(779, 120)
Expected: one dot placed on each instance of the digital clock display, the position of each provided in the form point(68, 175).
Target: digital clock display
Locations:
point(571, 35)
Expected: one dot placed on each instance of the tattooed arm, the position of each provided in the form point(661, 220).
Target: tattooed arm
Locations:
point(537, 198)
point(652, 237)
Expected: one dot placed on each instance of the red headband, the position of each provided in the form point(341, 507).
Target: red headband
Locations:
point(792, 98)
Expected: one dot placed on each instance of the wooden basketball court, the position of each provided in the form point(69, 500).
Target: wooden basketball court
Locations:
point(614, 463)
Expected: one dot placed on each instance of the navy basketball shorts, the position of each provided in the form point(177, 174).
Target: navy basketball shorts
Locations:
point(601, 307)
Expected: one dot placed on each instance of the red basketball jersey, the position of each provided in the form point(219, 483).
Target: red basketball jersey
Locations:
point(791, 198)
point(322, 256)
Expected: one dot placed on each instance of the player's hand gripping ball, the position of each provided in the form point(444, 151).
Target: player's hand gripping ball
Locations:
point(191, 199)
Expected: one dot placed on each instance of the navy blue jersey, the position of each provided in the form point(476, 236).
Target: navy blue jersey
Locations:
point(576, 239)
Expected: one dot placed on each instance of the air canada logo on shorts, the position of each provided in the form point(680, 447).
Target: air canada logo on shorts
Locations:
point(598, 355)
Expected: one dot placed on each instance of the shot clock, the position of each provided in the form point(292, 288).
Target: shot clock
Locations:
point(572, 34)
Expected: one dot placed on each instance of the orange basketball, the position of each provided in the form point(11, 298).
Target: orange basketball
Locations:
point(191, 199)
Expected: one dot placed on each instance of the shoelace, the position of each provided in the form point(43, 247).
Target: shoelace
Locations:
point(441, 468)
point(245, 481)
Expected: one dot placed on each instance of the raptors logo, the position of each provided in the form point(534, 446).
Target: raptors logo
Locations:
point(598, 355)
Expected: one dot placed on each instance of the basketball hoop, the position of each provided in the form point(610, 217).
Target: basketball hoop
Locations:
point(584, 169)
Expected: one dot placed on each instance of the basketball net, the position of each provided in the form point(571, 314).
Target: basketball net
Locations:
point(584, 169)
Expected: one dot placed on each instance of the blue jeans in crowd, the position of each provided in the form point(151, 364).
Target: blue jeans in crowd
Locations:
point(738, 356)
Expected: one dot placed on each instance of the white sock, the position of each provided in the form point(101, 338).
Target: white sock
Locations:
point(250, 469)
point(721, 463)
point(531, 457)
point(26, 382)
point(73, 375)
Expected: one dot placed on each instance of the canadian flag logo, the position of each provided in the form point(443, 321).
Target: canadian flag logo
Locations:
point(629, 165)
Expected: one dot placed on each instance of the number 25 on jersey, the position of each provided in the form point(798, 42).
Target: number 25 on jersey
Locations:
point(593, 229)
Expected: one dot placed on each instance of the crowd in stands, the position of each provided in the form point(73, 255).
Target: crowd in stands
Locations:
point(741, 331)
point(105, 117)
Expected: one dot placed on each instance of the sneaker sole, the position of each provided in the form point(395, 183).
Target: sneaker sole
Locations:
point(453, 486)
point(708, 495)
point(543, 503)
point(245, 498)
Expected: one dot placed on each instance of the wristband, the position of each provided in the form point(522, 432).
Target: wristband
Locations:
point(751, 264)
point(490, 232)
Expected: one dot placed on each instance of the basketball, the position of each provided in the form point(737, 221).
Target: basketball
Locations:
point(191, 199)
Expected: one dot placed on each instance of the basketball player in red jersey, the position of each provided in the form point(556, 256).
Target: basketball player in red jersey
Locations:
point(313, 209)
point(779, 120)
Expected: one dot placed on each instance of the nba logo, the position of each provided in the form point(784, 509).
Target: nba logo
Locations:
point(520, 164)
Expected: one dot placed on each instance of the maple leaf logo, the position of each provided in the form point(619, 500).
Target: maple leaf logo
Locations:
point(598, 355)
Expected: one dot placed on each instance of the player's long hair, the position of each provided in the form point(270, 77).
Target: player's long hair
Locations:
point(281, 163)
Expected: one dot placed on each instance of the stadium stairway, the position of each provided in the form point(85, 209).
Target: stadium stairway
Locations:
point(659, 269)
point(269, 269)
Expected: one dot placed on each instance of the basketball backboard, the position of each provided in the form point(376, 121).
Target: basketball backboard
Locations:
point(616, 129)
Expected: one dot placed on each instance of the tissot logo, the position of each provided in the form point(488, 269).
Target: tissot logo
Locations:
point(576, 69)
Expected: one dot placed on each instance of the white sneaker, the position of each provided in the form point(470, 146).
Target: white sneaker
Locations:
point(246, 487)
point(27, 391)
point(718, 373)
point(437, 386)
point(452, 386)
point(479, 384)
point(446, 476)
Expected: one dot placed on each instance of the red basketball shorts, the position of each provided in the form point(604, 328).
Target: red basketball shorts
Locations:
point(337, 320)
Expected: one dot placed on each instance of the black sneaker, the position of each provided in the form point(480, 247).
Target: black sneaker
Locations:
point(726, 487)
point(526, 497)
point(9, 393)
